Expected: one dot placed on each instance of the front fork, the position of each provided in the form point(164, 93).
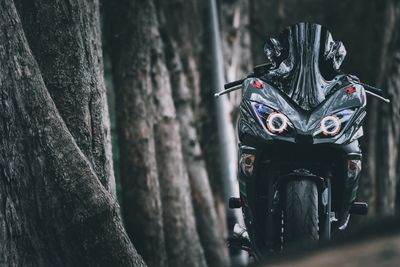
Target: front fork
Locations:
point(325, 210)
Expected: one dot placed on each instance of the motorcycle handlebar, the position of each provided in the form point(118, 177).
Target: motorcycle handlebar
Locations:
point(233, 84)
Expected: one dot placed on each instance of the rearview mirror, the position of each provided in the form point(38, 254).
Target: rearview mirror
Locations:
point(260, 70)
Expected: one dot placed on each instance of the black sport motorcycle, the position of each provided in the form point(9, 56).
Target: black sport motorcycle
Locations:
point(299, 154)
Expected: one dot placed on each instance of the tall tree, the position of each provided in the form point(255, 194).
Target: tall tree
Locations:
point(183, 49)
point(388, 139)
point(56, 211)
point(132, 37)
point(71, 63)
point(142, 77)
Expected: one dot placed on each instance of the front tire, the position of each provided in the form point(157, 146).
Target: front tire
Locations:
point(301, 213)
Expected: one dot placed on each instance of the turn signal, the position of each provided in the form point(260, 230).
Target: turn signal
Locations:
point(247, 163)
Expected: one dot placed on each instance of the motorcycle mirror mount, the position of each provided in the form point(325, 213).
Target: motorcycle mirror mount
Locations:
point(374, 91)
point(260, 70)
point(236, 85)
point(377, 96)
point(234, 88)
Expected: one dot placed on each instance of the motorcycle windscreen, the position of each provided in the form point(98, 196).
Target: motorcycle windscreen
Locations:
point(304, 62)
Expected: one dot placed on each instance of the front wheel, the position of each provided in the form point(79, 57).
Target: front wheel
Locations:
point(301, 212)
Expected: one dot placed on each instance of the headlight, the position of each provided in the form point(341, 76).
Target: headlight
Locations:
point(332, 125)
point(273, 121)
point(277, 122)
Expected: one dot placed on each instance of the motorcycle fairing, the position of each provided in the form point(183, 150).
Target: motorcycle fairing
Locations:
point(305, 123)
point(303, 82)
point(304, 62)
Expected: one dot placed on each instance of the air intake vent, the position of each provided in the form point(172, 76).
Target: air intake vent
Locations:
point(304, 139)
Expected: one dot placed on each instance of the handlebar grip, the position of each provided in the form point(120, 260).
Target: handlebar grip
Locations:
point(233, 84)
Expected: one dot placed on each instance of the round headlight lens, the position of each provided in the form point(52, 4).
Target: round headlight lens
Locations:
point(330, 125)
point(277, 122)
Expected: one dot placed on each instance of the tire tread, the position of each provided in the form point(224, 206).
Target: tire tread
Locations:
point(301, 212)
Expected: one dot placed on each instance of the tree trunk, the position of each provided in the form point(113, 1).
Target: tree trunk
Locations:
point(71, 63)
point(145, 78)
point(55, 211)
point(182, 55)
point(236, 46)
point(389, 115)
point(133, 27)
point(182, 241)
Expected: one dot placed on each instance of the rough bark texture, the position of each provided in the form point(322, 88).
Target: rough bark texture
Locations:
point(133, 37)
point(65, 38)
point(181, 49)
point(55, 211)
point(235, 25)
point(182, 241)
point(389, 130)
point(145, 78)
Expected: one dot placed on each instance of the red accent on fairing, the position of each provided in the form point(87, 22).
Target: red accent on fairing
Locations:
point(350, 90)
point(258, 84)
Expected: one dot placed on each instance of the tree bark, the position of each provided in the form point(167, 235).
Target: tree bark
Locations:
point(182, 241)
point(145, 76)
point(66, 41)
point(389, 130)
point(236, 44)
point(55, 211)
point(182, 50)
point(132, 40)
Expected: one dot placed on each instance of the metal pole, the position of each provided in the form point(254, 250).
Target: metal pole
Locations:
point(226, 134)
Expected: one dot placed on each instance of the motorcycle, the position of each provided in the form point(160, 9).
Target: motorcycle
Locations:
point(299, 152)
